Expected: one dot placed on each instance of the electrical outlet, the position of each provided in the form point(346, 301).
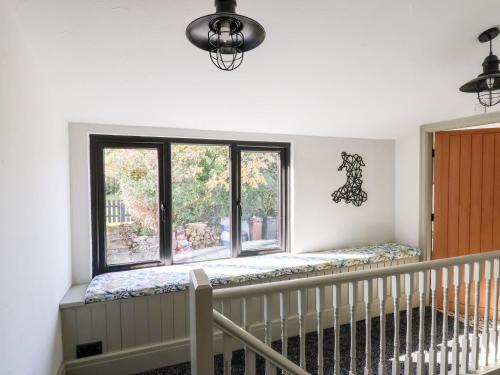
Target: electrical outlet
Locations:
point(89, 349)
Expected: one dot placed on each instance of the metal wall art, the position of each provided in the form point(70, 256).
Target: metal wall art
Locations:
point(351, 191)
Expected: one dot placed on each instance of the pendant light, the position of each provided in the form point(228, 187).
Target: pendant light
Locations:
point(225, 35)
point(487, 84)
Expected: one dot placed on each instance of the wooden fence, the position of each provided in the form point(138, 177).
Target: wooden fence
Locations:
point(117, 212)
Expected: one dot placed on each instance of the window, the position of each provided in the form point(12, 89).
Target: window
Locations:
point(158, 201)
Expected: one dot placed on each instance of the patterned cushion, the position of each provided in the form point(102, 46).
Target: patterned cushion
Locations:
point(166, 279)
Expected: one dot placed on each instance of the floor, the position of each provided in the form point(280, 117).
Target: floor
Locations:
point(311, 347)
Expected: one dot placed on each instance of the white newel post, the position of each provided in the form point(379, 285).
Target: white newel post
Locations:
point(201, 323)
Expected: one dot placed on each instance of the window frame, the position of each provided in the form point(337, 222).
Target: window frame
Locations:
point(99, 142)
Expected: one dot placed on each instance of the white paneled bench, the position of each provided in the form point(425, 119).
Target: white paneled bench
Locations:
point(139, 319)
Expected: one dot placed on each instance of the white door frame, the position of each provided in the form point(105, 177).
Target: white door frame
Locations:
point(426, 144)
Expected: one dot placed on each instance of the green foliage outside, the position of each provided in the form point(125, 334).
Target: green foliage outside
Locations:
point(200, 184)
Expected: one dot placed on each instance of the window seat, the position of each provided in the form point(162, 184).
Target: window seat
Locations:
point(166, 279)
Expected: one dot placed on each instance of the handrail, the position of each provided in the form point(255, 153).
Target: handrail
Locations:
point(316, 281)
point(256, 345)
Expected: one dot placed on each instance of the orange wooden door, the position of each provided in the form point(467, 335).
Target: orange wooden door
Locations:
point(466, 194)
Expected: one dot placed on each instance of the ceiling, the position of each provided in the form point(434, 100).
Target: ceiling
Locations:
point(365, 68)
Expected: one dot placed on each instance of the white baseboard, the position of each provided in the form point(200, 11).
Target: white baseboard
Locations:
point(61, 370)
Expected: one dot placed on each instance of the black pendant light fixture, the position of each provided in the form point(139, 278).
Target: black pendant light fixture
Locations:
point(225, 35)
point(487, 84)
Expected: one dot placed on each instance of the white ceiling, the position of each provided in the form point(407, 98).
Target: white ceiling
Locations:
point(357, 68)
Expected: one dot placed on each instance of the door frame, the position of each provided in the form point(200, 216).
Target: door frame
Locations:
point(426, 170)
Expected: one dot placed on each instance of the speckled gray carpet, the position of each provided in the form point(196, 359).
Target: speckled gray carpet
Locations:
point(345, 341)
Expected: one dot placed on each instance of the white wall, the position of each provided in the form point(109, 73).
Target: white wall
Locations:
point(35, 266)
point(407, 184)
point(317, 222)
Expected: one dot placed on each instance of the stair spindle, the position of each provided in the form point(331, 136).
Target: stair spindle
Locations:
point(433, 348)
point(249, 355)
point(464, 360)
point(284, 299)
point(352, 313)
point(396, 292)
point(382, 290)
point(486, 327)
point(444, 342)
point(455, 350)
point(267, 326)
point(496, 277)
point(227, 353)
point(475, 332)
point(302, 310)
point(336, 327)
point(421, 327)
point(408, 292)
point(367, 288)
point(320, 306)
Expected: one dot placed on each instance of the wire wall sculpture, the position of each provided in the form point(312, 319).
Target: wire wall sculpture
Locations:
point(351, 191)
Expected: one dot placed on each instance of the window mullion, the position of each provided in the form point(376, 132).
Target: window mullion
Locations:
point(166, 188)
point(235, 201)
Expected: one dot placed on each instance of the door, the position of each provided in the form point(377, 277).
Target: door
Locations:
point(466, 195)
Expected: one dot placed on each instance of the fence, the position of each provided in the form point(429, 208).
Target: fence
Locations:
point(117, 212)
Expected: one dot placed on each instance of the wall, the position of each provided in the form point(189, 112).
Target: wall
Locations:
point(317, 223)
point(35, 266)
point(407, 184)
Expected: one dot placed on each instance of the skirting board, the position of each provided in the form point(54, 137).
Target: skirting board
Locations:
point(148, 357)
point(61, 370)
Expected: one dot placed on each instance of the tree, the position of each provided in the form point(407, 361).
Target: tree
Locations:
point(200, 183)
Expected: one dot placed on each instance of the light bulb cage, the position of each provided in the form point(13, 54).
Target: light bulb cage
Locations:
point(487, 84)
point(489, 98)
point(226, 55)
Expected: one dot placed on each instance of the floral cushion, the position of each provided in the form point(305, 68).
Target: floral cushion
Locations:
point(166, 279)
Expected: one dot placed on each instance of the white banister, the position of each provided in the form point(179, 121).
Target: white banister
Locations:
point(433, 347)
point(201, 323)
point(396, 292)
point(367, 289)
point(352, 314)
point(421, 327)
point(464, 360)
point(455, 364)
point(444, 342)
point(475, 333)
point(320, 306)
point(255, 345)
point(408, 292)
point(382, 292)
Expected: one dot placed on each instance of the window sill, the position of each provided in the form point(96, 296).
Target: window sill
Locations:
point(167, 279)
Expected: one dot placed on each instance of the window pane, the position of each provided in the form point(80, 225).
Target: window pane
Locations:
point(260, 200)
point(131, 204)
point(201, 202)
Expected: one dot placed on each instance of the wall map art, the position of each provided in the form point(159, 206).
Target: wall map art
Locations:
point(351, 191)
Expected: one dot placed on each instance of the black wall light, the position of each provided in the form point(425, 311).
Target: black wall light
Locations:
point(487, 84)
point(225, 35)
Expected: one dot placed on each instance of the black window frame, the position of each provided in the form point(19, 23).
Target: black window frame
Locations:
point(99, 142)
